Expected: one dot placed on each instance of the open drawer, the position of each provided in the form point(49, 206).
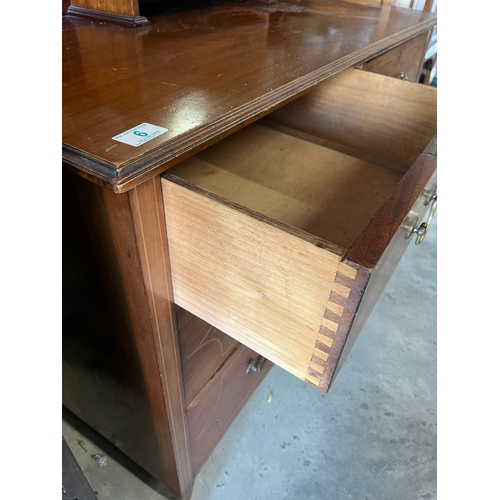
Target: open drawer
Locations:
point(284, 234)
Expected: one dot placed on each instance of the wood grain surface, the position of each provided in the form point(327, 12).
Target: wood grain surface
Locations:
point(328, 194)
point(204, 75)
point(263, 286)
point(203, 351)
point(151, 306)
point(390, 249)
point(123, 7)
point(211, 413)
point(385, 118)
point(247, 256)
point(102, 378)
point(130, 246)
point(406, 58)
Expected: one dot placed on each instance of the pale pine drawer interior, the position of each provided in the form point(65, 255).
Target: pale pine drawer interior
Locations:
point(261, 225)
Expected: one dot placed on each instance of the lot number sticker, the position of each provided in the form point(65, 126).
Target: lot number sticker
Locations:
point(139, 135)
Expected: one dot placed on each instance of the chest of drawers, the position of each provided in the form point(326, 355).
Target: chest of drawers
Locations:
point(259, 228)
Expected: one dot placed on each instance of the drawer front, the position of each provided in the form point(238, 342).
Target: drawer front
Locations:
point(388, 255)
point(203, 351)
point(407, 59)
point(213, 410)
point(289, 294)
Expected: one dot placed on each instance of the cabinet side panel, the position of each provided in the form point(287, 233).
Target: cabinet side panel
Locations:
point(102, 378)
point(152, 309)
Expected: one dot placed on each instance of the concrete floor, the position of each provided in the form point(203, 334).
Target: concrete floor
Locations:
point(372, 437)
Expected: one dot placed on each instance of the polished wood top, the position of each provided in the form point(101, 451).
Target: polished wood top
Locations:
point(203, 74)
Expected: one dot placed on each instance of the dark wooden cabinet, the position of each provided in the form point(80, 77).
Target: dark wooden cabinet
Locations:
point(259, 216)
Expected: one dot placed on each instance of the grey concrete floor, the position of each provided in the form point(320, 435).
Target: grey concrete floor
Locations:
point(372, 437)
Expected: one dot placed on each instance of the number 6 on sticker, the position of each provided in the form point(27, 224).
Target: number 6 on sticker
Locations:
point(140, 134)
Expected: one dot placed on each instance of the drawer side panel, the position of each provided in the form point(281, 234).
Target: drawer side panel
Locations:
point(268, 289)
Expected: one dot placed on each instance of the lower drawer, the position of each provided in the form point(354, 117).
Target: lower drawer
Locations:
point(216, 406)
point(203, 351)
point(284, 234)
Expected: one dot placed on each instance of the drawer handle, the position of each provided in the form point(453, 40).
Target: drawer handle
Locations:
point(402, 76)
point(256, 365)
point(421, 230)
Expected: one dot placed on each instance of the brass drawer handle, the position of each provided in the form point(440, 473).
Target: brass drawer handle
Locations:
point(421, 230)
point(256, 365)
point(402, 76)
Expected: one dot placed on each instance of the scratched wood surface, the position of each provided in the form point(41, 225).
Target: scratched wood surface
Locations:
point(203, 74)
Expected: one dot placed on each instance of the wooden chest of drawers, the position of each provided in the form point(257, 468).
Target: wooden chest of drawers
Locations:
point(188, 266)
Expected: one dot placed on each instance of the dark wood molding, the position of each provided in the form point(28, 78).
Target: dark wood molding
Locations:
point(108, 17)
